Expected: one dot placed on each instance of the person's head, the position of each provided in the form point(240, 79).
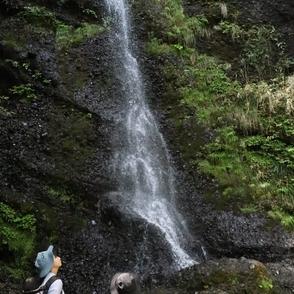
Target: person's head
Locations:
point(46, 262)
point(123, 283)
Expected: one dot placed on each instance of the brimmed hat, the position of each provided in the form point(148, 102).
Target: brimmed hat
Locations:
point(44, 261)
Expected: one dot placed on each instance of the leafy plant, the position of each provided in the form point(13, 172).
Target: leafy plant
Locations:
point(286, 219)
point(3, 110)
point(61, 194)
point(25, 92)
point(39, 15)
point(266, 284)
point(157, 47)
point(259, 49)
point(90, 12)
point(67, 36)
point(235, 31)
point(17, 234)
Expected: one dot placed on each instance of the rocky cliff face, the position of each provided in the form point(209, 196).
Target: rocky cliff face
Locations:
point(58, 111)
point(58, 127)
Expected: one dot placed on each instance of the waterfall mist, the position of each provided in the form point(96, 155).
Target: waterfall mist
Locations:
point(144, 170)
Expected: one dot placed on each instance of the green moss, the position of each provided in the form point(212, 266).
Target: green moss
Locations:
point(255, 281)
point(156, 47)
point(41, 19)
point(209, 89)
point(71, 136)
point(17, 236)
point(11, 40)
point(67, 36)
point(61, 194)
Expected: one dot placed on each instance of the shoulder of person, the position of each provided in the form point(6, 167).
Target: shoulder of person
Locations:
point(57, 282)
point(56, 287)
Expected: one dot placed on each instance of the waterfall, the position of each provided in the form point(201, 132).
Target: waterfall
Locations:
point(145, 172)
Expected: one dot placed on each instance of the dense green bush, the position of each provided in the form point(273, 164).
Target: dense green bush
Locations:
point(17, 236)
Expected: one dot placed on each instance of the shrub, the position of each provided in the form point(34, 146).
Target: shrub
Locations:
point(17, 235)
point(40, 16)
point(235, 31)
point(286, 219)
point(208, 89)
point(24, 92)
point(254, 170)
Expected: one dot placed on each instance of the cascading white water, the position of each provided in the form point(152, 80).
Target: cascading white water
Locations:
point(144, 167)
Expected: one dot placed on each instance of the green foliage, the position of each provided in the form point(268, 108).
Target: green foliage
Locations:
point(185, 30)
point(24, 92)
point(286, 219)
point(262, 53)
point(259, 50)
point(248, 209)
point(231, 29)
point(209, 89)
point(61, 194)
point(266, 284)
point(3, 110)
point(17, 235)
point(39, 16)
point(90, 12)
point(174, 26)
point(252, 153)
point(157, 47)
point(27, 69)
point(67, 35)
point(251, 170)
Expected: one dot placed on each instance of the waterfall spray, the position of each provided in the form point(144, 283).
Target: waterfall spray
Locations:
point(145, 172)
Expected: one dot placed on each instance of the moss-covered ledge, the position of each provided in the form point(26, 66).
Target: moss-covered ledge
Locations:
point(222, 276)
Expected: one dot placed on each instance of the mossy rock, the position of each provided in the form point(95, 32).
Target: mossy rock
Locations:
point(224, 276)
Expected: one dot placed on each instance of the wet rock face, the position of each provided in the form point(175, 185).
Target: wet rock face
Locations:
point(224, 276)
point(279, 13)
point(107, 246)
point(56, 151)
point(233, 235)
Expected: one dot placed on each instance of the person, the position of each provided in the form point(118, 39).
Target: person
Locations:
point(48, 265)
point(122, 283)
